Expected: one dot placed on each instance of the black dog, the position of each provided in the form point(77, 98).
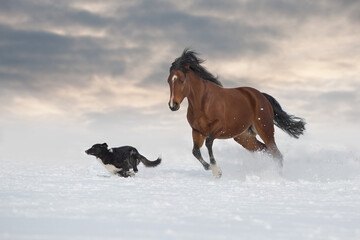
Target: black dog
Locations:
point(120, 160)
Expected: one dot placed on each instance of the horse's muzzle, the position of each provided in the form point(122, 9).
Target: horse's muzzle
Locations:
point(175, 106)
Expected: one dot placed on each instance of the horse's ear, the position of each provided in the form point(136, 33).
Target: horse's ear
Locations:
point(187, 67)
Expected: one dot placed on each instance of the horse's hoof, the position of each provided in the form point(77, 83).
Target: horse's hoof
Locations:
point(216, 171)
point(218, 175)
point(207, 167)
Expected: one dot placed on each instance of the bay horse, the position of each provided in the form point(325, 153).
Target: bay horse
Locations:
point(215, 112)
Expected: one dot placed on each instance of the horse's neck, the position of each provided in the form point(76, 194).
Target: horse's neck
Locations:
point(197, 92)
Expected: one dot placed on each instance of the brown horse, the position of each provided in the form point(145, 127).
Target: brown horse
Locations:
point(215, 112)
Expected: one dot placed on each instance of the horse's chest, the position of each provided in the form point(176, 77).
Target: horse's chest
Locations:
point(199, 123)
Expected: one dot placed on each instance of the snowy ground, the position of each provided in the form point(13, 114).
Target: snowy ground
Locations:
point(315, 196)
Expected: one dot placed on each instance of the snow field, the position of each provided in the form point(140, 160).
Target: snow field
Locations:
point(315, 196)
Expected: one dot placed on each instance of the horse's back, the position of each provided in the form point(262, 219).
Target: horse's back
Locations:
point(250, 92)
point(254, 96)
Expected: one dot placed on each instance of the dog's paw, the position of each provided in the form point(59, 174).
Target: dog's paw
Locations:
point(130, 173)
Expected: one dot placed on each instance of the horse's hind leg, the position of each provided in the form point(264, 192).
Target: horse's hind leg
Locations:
point(217, 172)
point(249, 141)
point(266, 133)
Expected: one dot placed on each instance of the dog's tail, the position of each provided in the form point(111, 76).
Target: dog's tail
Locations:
point(149, 163)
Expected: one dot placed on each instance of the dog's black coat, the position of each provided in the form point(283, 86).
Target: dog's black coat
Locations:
point(121, 159)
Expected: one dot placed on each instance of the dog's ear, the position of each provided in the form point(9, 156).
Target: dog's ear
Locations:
point(104, 145)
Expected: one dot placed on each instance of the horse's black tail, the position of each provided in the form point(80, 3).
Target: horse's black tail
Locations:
point(294, 126)
point(149, 163)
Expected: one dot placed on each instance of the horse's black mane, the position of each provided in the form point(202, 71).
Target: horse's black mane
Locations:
point(189, 58)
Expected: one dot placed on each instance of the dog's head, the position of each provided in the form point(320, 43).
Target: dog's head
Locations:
point(97, 149)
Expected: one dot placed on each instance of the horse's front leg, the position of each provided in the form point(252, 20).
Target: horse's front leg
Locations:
point(199, 139)
point(216, 171)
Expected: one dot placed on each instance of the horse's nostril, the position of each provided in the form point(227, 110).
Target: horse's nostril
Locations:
point(174, 107)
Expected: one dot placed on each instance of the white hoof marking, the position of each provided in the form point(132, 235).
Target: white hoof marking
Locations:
point(216, 171)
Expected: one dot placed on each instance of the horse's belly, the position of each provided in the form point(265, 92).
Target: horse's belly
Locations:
point(233, 131)
point(226, 120)
point(221, 127)
point(235, 124)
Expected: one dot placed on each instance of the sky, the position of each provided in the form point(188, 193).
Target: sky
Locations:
point(97, 70)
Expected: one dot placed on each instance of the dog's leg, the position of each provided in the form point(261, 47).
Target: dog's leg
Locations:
point(129, 166)
point(122, 173)
point(125, 174)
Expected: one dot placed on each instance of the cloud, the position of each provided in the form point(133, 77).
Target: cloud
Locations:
point(101, 95)
point(67, 58)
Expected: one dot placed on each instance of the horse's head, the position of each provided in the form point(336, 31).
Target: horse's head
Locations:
point(179, 88)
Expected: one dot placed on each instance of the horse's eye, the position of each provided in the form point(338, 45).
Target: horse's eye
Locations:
point(182, 81)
